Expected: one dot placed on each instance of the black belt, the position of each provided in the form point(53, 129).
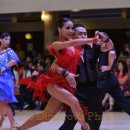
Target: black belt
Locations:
point(85, 84)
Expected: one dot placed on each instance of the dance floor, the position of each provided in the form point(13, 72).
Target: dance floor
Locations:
point(111, 121)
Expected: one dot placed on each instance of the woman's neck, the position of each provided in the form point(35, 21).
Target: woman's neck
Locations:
point(63, 39)
point(1, 49)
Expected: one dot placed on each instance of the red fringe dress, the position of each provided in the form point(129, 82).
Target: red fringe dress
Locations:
point(66, 59)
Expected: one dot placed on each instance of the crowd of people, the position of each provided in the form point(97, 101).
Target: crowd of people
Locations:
point(83, 73)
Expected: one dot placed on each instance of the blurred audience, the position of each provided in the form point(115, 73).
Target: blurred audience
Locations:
point(122, 74)
point(41, 63)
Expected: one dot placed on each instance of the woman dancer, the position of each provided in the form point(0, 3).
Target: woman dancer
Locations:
point(8, 58)
point(67, 57)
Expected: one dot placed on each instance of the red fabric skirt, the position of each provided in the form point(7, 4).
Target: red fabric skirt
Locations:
point(40, 85)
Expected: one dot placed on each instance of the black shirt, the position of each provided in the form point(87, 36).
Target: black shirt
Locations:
point(88, 70)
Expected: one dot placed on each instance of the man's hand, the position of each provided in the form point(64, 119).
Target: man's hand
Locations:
point(71, 79)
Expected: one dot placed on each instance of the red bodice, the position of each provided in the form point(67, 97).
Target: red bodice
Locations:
point(66, 58)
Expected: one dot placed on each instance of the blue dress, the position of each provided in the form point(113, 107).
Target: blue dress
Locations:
point(7, 79)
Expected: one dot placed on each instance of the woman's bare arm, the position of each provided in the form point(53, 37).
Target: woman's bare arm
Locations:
point(75, 42)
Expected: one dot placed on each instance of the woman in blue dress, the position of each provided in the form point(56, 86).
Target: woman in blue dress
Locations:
point(8, 58)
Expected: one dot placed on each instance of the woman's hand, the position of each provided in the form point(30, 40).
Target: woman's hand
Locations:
point(2, 70)
point(96, 38)
point(105, 68)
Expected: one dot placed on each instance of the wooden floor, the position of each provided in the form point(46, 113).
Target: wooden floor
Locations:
point(111, 121)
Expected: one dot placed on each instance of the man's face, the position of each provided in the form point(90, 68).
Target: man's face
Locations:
point(80, 32)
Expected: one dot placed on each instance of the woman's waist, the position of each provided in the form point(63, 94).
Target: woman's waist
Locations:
point(105, 73)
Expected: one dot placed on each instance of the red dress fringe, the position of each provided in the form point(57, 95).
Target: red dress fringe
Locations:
point(40, 85)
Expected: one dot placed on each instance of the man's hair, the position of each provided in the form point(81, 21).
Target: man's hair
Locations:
point(79, 25)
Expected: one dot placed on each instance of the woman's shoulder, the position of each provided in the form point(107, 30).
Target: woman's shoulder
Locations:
point(10, 50)
point(5, 50)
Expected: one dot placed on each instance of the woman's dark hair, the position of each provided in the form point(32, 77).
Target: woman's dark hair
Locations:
point(125, 67)
point(105, 34)
point(60, 22)
point(4, 34)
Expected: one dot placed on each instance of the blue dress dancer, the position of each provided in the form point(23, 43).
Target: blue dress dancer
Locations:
point(7, 79)
point(8, 58)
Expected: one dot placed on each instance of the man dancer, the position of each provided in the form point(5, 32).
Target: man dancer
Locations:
point(90, 92)
point(87, 91)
